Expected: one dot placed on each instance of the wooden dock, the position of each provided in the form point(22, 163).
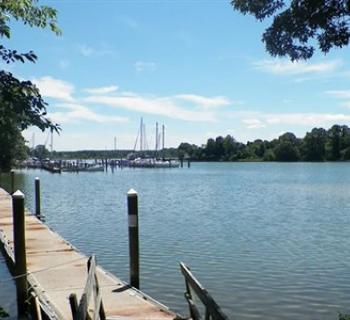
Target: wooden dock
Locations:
point(56, 269)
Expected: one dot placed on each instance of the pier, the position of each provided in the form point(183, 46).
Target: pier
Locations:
point(56, 271)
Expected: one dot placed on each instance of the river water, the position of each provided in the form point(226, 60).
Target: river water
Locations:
point(268, 240)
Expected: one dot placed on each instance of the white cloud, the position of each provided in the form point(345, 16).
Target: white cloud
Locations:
point(187, 107)
point(286, 67)
point(205, 102)
point(304, 119)
point(346, 104)
point(86, 50)
point(253, 123)
point(77, 112)
point(164, 106)
point(341, 94)
point(145, 66)
point(101, 90)
point(55, 88)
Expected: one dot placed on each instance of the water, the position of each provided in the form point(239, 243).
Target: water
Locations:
point(268, 240)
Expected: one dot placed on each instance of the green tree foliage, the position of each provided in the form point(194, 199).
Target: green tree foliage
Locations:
point(333, 143)
point(40, 152)
point(317, 145)
point(313, 145)
point(21, 104)
point(287, 148)
point(298, 26)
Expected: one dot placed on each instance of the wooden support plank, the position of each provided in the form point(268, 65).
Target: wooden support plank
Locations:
point(212, 307)
point(73, 301)
point(194, 312)
point(36, 310)
point(97, 306)
point(100, 307)
point(90, 282)
point(207, 314)
point(83, 307)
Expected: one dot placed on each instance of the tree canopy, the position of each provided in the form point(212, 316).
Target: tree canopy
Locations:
point(318, 145)
point(298, 26)
point(21, 104)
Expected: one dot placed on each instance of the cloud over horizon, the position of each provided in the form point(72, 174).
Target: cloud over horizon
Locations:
point(287, 67)
point(187, 107)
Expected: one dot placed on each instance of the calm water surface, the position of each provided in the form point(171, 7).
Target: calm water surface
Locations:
point(268, 240)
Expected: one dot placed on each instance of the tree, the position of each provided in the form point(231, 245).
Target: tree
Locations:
point(40, 152)
point(230, 147)
point(298, 25)
point(21, 104)
point(313, 145)
point(210, 149)
point(333, 143)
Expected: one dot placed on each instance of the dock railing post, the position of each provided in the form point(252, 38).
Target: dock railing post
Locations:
point(133, 239)
point(12, 181)
point(20, 250)
point(37, 198)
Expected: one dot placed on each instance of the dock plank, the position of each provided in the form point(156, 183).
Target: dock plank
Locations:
point(58, 269)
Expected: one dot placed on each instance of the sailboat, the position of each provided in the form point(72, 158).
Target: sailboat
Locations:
point(151, 162)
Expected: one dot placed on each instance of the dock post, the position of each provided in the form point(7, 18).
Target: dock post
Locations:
point(189, 163)
point(20, 250)
point(12, 181)
point(133, 239)
point(37, 198)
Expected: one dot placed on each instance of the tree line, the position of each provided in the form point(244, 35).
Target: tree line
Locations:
point(317, 145)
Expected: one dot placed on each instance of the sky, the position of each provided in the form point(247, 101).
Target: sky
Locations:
point(196, 66)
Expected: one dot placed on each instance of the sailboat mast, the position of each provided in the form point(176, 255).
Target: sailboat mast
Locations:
point(51, 140)
point(141, 134)
point(156, 136)
point(33, 140)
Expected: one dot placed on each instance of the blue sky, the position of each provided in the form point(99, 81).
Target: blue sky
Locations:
point(198, 67)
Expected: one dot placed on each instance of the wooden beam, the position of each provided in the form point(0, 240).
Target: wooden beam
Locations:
point(212, 307)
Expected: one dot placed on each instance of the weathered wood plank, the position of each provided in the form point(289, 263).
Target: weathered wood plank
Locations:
point(97, 306)
point(212, 307)
point(195, 315)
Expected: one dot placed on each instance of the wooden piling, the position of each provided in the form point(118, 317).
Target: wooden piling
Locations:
point(20, 250)
point(133, 239)
point(37, 198)
point(12, 181)
point(73, 301)
point(188, 163)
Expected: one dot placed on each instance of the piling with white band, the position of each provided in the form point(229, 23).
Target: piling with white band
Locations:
point(133, 238)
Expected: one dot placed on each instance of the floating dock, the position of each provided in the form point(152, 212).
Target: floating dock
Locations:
point(56, 270)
